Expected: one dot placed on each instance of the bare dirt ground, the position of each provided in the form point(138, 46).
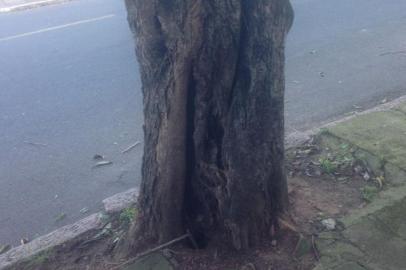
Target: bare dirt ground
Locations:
point(322, 185)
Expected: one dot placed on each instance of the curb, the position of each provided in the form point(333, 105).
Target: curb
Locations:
point(112, 205)
point(31, 5)
point(298, 137)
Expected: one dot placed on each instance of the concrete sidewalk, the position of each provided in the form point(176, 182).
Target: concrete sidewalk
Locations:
point(374, 237)
point(15, 5)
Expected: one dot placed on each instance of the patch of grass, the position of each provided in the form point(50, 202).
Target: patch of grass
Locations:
point(327, 166)
point(335, 160)
point(127, 216)
point(323, 131)
point(369, 193)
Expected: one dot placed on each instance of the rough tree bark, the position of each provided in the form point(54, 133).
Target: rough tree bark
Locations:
point(213, 85)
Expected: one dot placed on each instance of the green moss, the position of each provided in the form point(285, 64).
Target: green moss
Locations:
point(380, 133)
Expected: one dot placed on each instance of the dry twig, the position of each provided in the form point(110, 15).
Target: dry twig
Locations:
point(128, 149)
point(143, 254)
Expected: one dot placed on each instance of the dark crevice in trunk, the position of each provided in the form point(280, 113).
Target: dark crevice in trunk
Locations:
point(215, 132)
point(192, 207)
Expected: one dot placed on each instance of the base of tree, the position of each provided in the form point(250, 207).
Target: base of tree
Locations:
point(307, 195)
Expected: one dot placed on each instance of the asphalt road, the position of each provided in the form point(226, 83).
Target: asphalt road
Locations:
point(343, 53)
point(69, 89)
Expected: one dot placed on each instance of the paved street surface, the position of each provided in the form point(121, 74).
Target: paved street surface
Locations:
point(74, 89)
point(343, 53)
point(70, 89)
point(18, 5)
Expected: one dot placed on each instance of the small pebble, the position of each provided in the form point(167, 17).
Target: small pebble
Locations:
point(329, 224)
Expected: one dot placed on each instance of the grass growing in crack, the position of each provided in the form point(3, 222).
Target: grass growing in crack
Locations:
point(368, 193)
point(323, 131)
point(337, 159)
point(127, 216)
point(327, 166)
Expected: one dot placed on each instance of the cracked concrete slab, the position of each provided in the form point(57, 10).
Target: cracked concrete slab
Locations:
point(383, 247)
point(374, 237)
point(380, 133)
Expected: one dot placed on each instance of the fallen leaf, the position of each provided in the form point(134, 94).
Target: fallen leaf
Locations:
point(380, 180)
point(98, 157)
point(102, 163)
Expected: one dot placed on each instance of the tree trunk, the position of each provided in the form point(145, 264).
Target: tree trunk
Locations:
point(213, 85)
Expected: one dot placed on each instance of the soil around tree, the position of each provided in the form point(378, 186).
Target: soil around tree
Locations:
point(316, 191)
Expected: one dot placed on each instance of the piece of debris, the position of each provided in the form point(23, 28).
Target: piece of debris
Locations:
point(24, 241)
point(102, 163)
point(84, 210)
point(150, 251)
point(322, 74)
point(342, 179)
point(35, 143)
point(128, 149)
point(56, 196)
point(384, 100)
point(4, 248)
point(366, 176)
point(315, 250)
point(313, 52)
point(358, 169)
point(274, 243)
point(98, 157)
point(393, 53)
point(357, 107)
point(284, 223)
point(60, 217)
point(380, 180)
point(330, 224)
